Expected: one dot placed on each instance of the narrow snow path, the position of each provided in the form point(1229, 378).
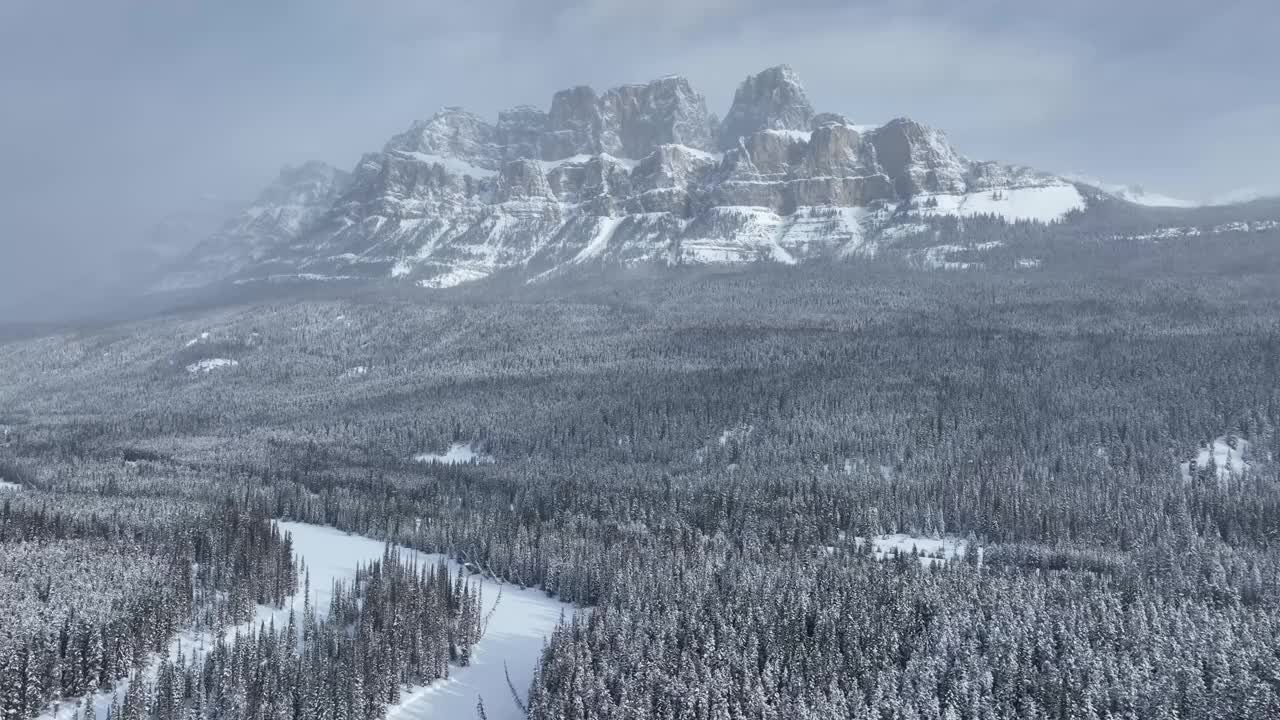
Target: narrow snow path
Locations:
point(518, 620)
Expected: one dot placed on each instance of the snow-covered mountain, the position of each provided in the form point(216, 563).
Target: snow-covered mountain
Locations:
point(638, 173)
point(273, 223)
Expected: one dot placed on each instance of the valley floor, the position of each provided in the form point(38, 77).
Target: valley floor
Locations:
point(518, 621)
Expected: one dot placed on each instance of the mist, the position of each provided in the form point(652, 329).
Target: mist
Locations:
point(121, 117)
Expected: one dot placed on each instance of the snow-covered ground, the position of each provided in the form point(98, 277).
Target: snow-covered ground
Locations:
point(1174, 233)
point(196, 341)
point(1046, 204)
point(518, 622)
point(898, 232)
point(6, 486)
point(211, 364)
point(938, 256)
point(605, 229)
point(457, 454)
point(453, 278)
point(737, 433)
point(1229, 461)
point(930, 550)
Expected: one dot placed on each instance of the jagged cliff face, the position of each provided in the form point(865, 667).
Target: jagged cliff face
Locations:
point(639, 173)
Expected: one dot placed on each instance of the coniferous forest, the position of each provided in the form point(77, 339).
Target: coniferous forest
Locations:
point(712, 464)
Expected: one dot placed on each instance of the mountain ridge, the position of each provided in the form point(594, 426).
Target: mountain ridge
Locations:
point(636, 173)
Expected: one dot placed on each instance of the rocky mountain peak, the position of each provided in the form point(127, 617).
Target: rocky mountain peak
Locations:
point(918, 158)
point(636, 119)
point(290, 205)
point(451, 132)
point(625, 175)
point(573, 124)
point(303, 184)
point(627, 121)
point(772, 99)
point(520, 130)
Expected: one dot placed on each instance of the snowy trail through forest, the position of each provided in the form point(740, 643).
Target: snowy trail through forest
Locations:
point(517, 622)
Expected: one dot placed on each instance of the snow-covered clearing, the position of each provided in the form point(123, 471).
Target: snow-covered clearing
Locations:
point(453, 278)
point(457, 454)
point(898, 232)
point(211, 364)
point(6, 486)
point(938, 257)
point(355, 372)
point(1229, 461)
point(1045, 204)
point(518, 621)
point(738, 433)
point(196, 341)
point(930, 550)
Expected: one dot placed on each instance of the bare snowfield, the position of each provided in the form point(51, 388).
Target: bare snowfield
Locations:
point(457, 454)
point(211, 364)
point(1229, 461)
point(518, 620)
point(1045, 204)
point(930, 550)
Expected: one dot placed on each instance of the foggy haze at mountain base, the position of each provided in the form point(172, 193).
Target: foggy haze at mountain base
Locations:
point(127, 119)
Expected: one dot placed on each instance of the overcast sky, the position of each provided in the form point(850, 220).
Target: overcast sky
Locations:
point(117, 113)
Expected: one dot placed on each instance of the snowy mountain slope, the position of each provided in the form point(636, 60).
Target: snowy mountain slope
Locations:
point(276, 218)
point(1135, 194)
point(636, 174)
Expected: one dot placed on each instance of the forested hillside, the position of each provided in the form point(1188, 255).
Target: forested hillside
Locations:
point(710, 458)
